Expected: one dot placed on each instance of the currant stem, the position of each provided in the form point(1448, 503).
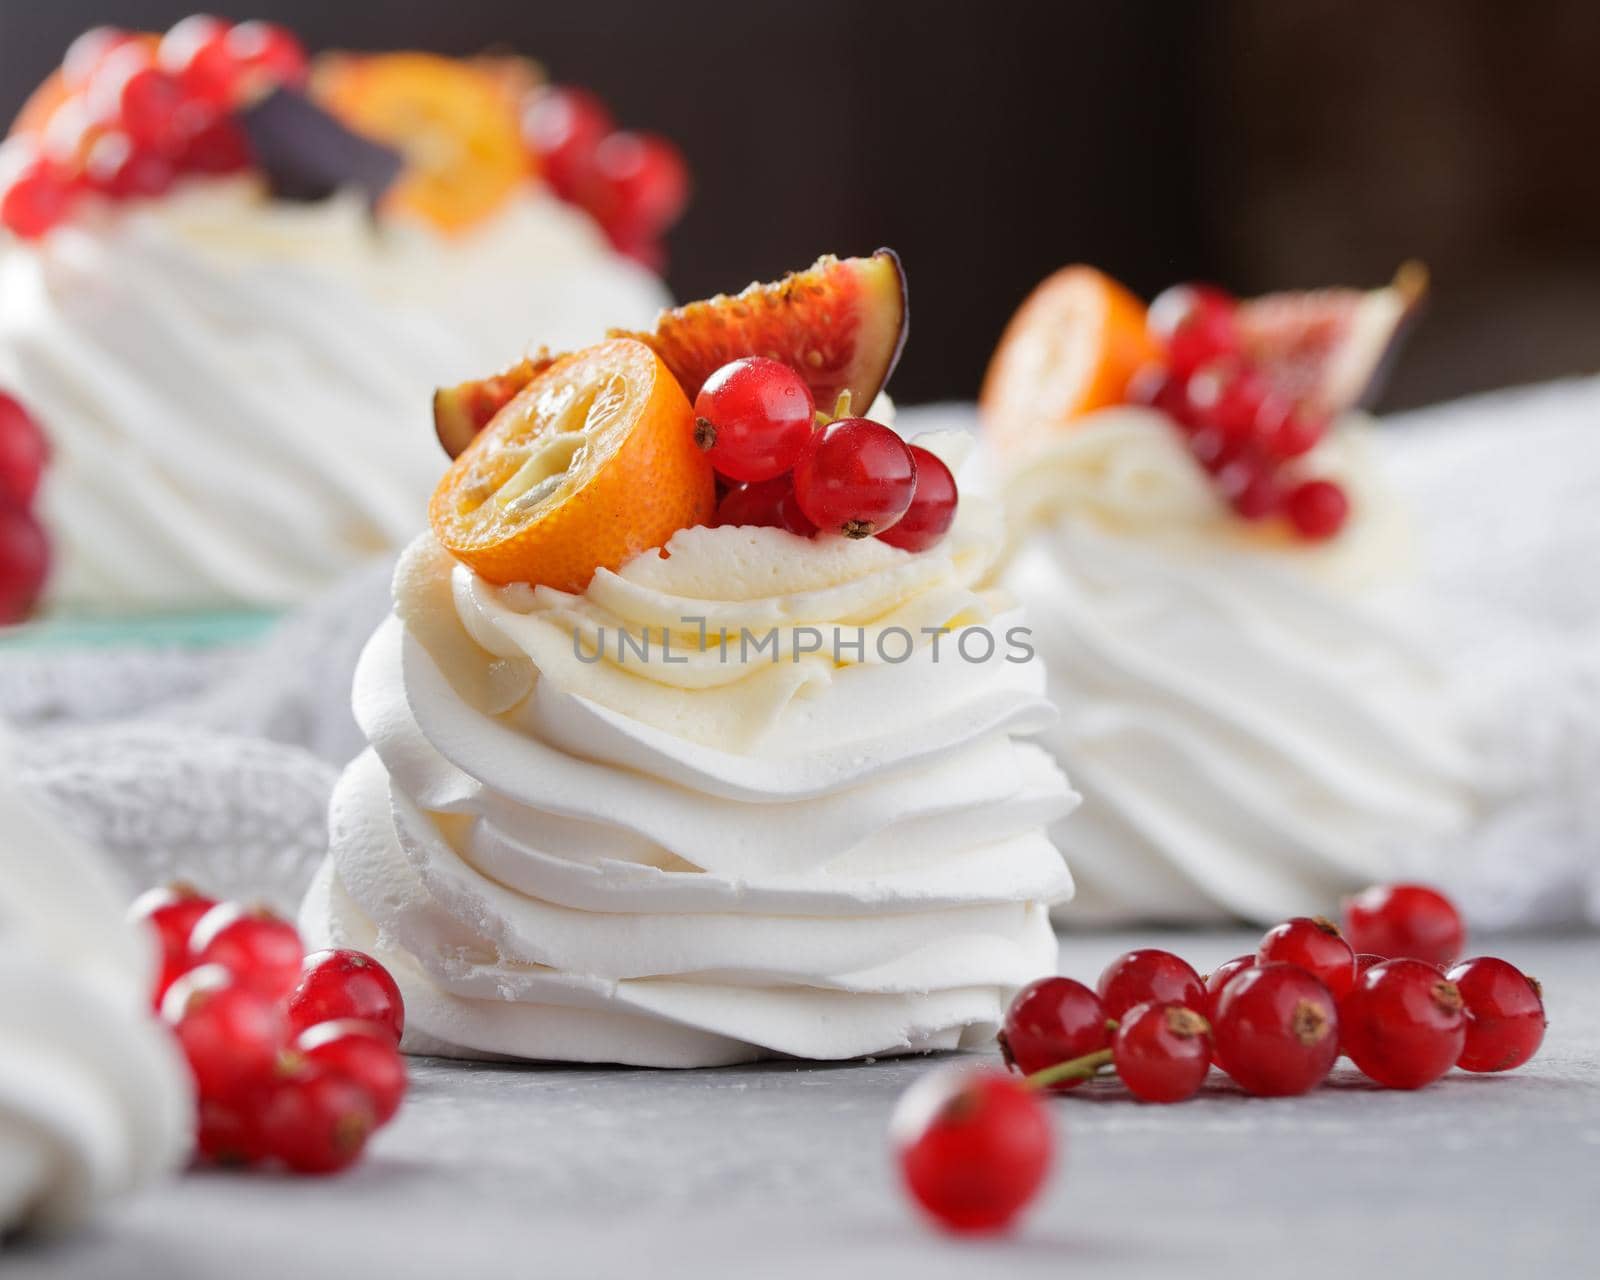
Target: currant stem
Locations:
point(1084, 1068)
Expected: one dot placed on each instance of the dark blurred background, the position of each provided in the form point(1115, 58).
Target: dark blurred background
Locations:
point(1259, 143)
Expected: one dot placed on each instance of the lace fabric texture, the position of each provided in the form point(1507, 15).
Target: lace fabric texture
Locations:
point(217, 765)
point(1503, 490)
point(213, 766)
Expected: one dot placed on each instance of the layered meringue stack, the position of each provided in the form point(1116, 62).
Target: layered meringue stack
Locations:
point(1253, 731)
point(236, 387)
point(587, 831)
point(94, 1098)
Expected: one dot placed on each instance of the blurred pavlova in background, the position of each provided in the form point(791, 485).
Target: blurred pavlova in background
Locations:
point(228, 269)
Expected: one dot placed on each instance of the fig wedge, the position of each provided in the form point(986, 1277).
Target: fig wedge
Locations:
point(461, 411)
point(841, 324)
point(1330, 349)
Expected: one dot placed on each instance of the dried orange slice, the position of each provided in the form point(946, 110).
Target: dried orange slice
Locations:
point(591, 463)
point(455, 122)
point(1072, 347)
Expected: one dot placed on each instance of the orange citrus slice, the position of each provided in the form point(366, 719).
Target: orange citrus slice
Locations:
point(1073, 346)
point(40, 106)
point(455, 122)
point(591, 463)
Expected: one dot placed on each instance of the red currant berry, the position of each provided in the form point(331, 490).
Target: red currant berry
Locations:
point(766, 503)
point(23, 453)
point(755, 504)
point(176, 51)
point(1403, 1024)
point(1365, 960)
point(753, 418)
point(1286, 432)
point(648, 252)
point(1156, 388)
point(255, 944)
point(230, 1034)
point(363, 1054)
point(564, 128)
point(1408, 920)
point(1505, 1014)
point(933, 505)
point(128, 91)
point(639, 186)
point(973, 1146)
point(267, 54)
point(1053, 1020)
point(171, 912)
point(24, 563)
point(316, 1121)
point(1195, 324)
point(1219, 977)
point(1227, 396)
point(88, 51)
point(217, 146)
point(35, 194)
point(856, 477)
point(1317, 509)
point(119, 167)
point(1162, 1051)
point(1313, 943)
point(195, 50)
point(1248, 485)
point(1276, 1030)
point(228, 1131)
point(791, 518)
point(345, 984)
point(230, 65)
point(1213, 449)
point(1149, 975)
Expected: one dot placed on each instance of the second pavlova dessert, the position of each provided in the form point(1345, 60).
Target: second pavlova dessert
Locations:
point(227, 264)
point(1218, 578)
point(694, 739)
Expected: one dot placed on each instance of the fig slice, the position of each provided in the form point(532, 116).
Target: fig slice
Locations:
point(840, 324)
point(462, 411)
point(1331, 349)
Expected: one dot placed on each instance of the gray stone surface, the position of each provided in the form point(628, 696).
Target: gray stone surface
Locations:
point(782, 1170)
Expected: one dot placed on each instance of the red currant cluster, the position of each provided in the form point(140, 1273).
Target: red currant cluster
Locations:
point(635, 185)
point(295, 1058)
point(24, 549)
point(135, 112)
point(788, 467)
point(1274, 1020)
point(1246, 434)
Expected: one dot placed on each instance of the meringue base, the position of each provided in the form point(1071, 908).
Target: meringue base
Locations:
point(471, 1003)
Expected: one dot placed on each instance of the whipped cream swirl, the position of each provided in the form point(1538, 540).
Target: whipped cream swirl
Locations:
point(565, 850)
point(236, 388)
point(94, 1097)
point(1252, 730)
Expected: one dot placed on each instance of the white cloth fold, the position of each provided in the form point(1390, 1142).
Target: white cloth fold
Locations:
point(94, 1097)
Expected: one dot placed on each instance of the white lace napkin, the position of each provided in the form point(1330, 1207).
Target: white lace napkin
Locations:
point(1506, 493)
point(216, 766)
point(211, 766)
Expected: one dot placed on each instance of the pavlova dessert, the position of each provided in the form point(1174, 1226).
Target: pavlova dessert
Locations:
point(1207, 554)
point(695, 738)
point(226, 269)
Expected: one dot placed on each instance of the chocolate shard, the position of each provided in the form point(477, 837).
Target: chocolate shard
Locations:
point(306, 154)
